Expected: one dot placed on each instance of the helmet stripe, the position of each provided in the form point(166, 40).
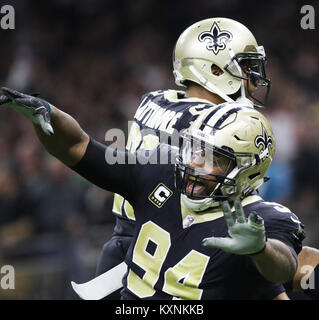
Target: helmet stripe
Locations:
point(219, 117)
point(225, 116)
point(211, 114)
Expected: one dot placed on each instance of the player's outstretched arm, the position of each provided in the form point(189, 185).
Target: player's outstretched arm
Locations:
point(247, 236)
point(69, 141)
point(276, 263)
point(59, 133)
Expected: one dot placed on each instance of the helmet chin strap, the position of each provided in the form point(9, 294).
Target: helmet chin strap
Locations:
point(243, 99)
point(211, 87)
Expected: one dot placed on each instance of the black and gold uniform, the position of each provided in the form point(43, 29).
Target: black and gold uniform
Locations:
point(166, 259)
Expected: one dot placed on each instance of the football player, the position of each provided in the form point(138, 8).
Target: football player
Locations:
point(200, 231)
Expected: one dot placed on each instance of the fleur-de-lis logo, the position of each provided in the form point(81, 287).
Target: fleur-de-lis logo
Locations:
point(215, 38)
point(265, 141)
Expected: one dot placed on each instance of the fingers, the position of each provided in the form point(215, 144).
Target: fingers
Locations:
point(27, 101)
point(35, 109)
point(228, 214)
point(11, 94)
point(4, 99)
point(219, 243)
point(239, 211)
point(255, 220)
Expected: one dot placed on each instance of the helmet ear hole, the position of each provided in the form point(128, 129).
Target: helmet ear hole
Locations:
point(216, 71)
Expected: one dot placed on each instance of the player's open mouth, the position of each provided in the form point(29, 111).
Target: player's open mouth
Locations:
point(195, 188)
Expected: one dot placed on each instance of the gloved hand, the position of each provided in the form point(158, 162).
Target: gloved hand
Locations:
point(35, 109)
point(246, 236)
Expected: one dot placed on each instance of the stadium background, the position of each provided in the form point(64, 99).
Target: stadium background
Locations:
point(94, 59)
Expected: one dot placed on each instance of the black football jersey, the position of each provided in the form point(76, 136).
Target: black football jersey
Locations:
point(166, 259)
point(159, 116)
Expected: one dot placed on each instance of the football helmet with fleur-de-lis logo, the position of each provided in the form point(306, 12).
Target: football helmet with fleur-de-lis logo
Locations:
point(230, 46)
point(225, 154)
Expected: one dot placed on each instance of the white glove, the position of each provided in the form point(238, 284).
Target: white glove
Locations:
point(246, 236)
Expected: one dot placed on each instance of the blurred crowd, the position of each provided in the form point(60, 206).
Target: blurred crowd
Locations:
point(94, 59)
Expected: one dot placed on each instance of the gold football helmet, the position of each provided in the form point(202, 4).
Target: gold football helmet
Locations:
point(231, 47)
point(237, 145)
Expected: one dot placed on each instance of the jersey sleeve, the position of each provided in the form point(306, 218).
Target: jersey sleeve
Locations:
point(108, 169)
point(271, 291)
point(283, 225)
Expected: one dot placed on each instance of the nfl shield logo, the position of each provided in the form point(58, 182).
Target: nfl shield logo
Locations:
point(188, 221)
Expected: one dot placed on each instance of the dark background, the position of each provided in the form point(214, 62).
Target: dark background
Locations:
point(94, 59)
